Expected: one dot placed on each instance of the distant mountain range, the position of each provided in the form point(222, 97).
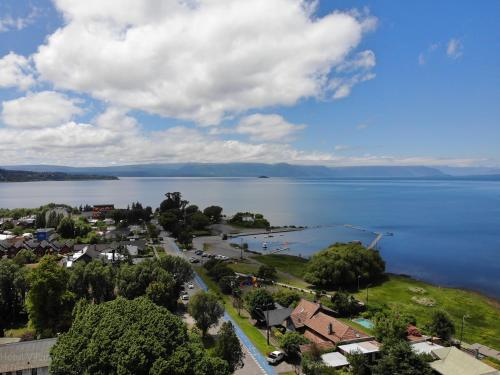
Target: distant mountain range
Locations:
point(269, 170)
point(28, 176)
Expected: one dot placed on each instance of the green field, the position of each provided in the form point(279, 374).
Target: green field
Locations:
point(286, 263)
point(482, 324)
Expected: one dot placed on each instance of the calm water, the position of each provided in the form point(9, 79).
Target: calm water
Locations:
point(444, 232)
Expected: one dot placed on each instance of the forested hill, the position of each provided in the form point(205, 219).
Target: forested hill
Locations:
point(27, 176)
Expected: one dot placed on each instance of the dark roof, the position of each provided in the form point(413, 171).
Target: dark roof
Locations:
point(277, 316)
point(25, 355)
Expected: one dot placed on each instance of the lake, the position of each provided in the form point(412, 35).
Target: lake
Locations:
point(446, 232)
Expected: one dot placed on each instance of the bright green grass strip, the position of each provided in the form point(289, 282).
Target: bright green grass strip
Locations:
point(253, 333)
point(286, 263)
point(482, 324)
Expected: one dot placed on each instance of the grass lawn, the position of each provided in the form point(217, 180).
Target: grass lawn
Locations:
point(286, 263)
point(253, 333)
point(18, 332)
point(482, 324)
point(357, 326)
point(252, 268)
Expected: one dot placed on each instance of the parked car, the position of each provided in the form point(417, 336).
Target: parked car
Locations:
point(198, 252)
point(275, 357)
point(185, 297)
point(190, 286)
point(194, 260)
point(205, 255)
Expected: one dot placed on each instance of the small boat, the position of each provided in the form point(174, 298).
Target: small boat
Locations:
point(264, 245)
point(389, 234)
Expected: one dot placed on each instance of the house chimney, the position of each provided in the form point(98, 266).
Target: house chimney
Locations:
point(330, 328)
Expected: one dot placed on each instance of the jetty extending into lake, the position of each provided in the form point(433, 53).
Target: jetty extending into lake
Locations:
point(375, 241)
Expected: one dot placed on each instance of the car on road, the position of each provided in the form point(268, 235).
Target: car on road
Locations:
point(194, 260)
point(275, 357)
point(221, 257)
point(185, 297)
point(205, 255)
point(198, 252)
point(190, 286)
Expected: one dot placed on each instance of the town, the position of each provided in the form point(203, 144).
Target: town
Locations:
point(116, 283)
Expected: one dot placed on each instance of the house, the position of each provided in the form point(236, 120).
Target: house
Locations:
point(319, 326)
point(26, 358)
point(277, 317)
point(368, 348)
point(452, 361)
point(87, 254)
point(485, 351)
point(424, 347)
point(335, 360)
point(44, 233)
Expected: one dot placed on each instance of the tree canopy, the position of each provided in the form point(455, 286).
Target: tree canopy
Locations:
point(228, 347)
point(12, 292)
point(341, 264)
point(130, 338)
point(441, 325)
point(258, 300)
point(397, 357)
point(206, 310)
point(49, 301)
point(290, 342)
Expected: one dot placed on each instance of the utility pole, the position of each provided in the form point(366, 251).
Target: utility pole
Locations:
point(462, 329)
point(358, 281)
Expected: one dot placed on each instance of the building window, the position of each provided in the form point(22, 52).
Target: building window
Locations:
point(19, 372)
point(34, 371)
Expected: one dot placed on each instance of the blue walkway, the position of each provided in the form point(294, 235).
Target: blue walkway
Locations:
point(259, 358)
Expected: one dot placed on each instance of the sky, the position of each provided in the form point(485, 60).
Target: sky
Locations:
point(330, 82)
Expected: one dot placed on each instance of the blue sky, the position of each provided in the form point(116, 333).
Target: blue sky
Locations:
point(428, 90)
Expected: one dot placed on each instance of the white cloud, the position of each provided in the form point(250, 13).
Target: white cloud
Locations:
point(342, 87)
point(455, 48)
point(7, 22)
point(39, 110)
point(362, 126)
point(267, 128)
point(364, 60)
point(200, 60)
point(15, 71)
point(421, 59)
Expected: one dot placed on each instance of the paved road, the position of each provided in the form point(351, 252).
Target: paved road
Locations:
point(260, 362)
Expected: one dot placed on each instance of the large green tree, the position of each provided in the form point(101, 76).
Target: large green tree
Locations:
point(214, 213)
point(12, 292)
point(66, 228)
point(228, 347)
point(206, 310)
point(257, 301)
point(94, 281)
point(341, 264)
point(25, 256)
point(127, 337)
point(49, 301)
point(441, 325)
point(134, 280)
point(290, 342)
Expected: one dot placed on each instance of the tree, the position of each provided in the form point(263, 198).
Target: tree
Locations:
point(66, 228)
point(174, 201)
point(226, 284)
point(345, 304)
point(237, 299)
point(441, 326)
point(94, 281)
point(286, 297)
point(341, 264)
point(267, 272)
point(25, 256)
point(169, 221)
point(359, 363)
point(290, 342)
point(219, 271)
point(206, 310)
point(397, 357)
point(214, 213)
point(49, 301)
point(123, 337)
point(259, 300)
point(199, 221)
point(390, 326)
point(134, 280)
point(12, 291)
point(228, 347)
